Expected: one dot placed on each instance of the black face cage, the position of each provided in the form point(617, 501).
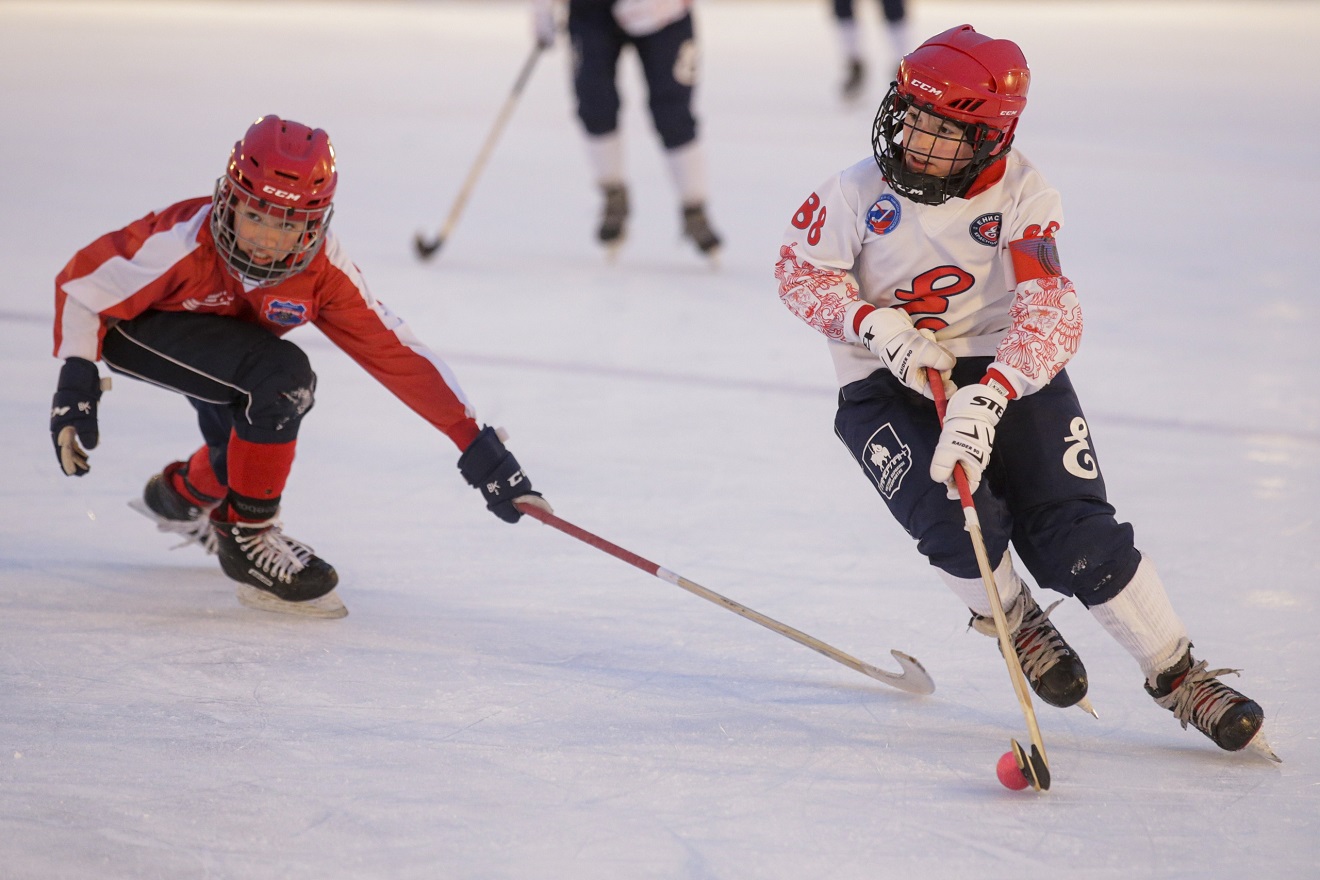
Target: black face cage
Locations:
point(929, 189)
point(234, 251)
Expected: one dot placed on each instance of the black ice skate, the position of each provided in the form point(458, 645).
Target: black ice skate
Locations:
point(854, 79)
point(1051, 666)
point(697, 228)
point(613, 216)
point(174, 513)
point(1195, 696)
point(275, 572)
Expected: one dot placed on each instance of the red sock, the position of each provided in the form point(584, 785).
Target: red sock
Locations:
point(201, 479)
point(257, 473)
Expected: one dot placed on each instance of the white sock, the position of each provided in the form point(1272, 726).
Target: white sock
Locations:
point(605, 152)
point(850, 40)
point(687, 165)
point(1141, 619)
point(971, 591)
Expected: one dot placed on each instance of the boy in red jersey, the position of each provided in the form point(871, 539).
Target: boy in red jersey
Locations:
point(195, 298)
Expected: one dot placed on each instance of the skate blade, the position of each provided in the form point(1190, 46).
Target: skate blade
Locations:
point(327, 606)
point(1085, 705)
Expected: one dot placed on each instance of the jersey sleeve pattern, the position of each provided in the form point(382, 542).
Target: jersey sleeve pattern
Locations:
point(385, 346)
point(121, 274)
point(820, 297)
point(1046, 316)
point(815, 262)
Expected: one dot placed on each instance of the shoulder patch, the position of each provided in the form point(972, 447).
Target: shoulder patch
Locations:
point(884, 215)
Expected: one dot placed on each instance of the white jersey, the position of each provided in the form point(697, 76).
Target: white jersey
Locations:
point(981, 272)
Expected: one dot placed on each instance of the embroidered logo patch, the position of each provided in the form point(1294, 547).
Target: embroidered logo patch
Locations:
point(884, 215)
point(887, 460)
point(985, 229)
point(285, 312)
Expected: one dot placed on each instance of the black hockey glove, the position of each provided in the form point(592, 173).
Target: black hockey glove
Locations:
point(73, 415)
point(490, 468)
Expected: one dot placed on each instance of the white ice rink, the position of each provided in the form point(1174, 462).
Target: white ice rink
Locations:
point(506, 702)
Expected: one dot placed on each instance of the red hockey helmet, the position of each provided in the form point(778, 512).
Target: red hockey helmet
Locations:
point(958, 86)
point(273, 204)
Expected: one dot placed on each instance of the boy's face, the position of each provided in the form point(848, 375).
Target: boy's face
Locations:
point(265, 235)
point(932, 145)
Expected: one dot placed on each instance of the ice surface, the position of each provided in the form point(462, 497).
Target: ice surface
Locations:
point(505, 702)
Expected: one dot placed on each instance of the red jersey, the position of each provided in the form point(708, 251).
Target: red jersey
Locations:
point(167, 262)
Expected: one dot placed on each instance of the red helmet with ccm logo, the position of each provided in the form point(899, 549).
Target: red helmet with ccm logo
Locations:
point(273, 204)
point(977, 84)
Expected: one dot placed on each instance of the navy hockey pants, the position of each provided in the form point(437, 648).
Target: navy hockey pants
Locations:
point(893, 9)
point(237, 376)
point(1042, 491)
point(668, 58)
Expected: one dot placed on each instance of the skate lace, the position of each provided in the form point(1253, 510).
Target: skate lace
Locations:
point(193, 531)
point(274, 552)
point(1201, 698)
point(1039, 645)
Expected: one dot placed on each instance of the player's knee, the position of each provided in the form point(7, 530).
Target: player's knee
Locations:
point(674, 123)
point(281, 393)
point(1091, 556)
point(947, 546)
point(598, 111)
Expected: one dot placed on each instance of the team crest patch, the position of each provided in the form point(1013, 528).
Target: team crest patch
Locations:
point(884, 215)
point(887, 460)
point(985, 229)
point(285, 312)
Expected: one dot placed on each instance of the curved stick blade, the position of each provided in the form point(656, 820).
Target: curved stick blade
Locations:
point(426, 249)
point(914, 678)
point(1033, 766)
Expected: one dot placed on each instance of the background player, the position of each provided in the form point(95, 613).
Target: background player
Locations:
point(940, 251)
point(195, 298)
point(850, 40)
point(662, 33)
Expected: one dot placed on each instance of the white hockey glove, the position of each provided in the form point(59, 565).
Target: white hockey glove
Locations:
point(968, 435)
point(544, 24)
point(904, 350)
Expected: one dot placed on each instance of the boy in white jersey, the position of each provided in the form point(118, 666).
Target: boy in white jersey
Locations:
point(939, 252)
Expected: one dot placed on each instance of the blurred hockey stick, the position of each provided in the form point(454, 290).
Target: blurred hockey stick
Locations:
point(427, 248)
point(1035, 767)
point(914, 679)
